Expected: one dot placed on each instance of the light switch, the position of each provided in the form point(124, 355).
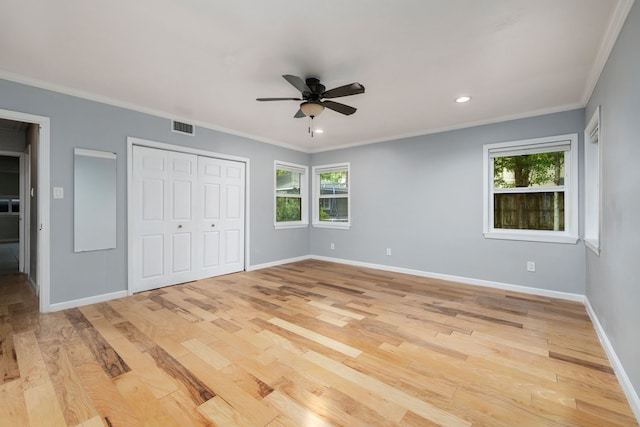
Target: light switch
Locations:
point(58, 193)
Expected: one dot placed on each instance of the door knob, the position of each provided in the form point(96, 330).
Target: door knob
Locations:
point(179, 225)
point(213, 225)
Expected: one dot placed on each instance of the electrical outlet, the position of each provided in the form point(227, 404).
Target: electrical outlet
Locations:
point(388, 251)
point(332, 246)
point(531, 266)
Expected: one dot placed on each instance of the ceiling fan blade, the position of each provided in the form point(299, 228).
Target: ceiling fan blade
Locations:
point(340, 108)
point(278, 99)
point(346, 90)
point(297, 82)
point(299, 114)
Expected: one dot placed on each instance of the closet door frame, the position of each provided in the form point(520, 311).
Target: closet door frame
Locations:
point(131, 141)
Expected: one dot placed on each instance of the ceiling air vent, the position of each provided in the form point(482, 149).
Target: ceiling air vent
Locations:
point(183, 128)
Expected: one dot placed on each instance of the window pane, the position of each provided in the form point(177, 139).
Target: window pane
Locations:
point(15, 205)
point(288, 209)
point(334, 183)
point(287, 182)
point(4, 205)
point(529, 211)
point(529, 170)
point(334, 209)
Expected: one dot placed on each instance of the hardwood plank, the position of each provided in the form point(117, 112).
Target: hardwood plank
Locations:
point(255, 411)
point(195, 388)
point(318, 338)
point(207, 354)
point(111, 361)
point(9, 370)
point(112, 407)
point(304, 343)
point(76, 405)
point(418, 406)
point(181, 407)
point(32, 367)
point(294, 412)
point(220, 413)
point(146, 406)
point(12, 405)
point(42, 405)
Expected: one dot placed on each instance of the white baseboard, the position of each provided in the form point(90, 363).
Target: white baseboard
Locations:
point(623, 378)
point(85, 301)
point(277, 263)
point(460, 279)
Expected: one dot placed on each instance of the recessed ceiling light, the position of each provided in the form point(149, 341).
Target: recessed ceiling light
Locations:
point(319, 131)
point(463, 99)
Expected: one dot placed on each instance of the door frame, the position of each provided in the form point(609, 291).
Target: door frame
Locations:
point(131, 141)
point(43, 273)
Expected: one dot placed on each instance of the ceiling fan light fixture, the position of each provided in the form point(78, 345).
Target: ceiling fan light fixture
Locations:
point(311, 109)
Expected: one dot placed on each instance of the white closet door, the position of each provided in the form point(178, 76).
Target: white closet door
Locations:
point(188, 217)
point(221, 216)
point(165, 202)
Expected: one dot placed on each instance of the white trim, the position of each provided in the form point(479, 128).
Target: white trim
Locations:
point(315, 194)
point(287, 225)
point(303, 170)
point(43, 256)
point(522, 235)
point(592, 234)
point(131, 141)
point(5, 75)
point(94, 153)
point(460, 279)
point(616, 22)
point(89, 300)
point(618, 368)
point(467, 125)
point(277, 263)
point(570, 235)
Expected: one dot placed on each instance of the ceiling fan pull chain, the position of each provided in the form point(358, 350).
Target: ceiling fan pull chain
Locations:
point(311, 126)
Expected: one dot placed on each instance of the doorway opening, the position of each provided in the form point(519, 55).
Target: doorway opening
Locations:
point(13, 216)
point(24, 202)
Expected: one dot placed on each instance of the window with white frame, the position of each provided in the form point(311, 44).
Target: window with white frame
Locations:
point(530, 189)
point(290, 195)
point(331, 196)
point(592, 191)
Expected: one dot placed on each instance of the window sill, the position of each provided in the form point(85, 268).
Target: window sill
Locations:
point(567, 239)
point(594, 245)
point(285, 226)
point(336, 225)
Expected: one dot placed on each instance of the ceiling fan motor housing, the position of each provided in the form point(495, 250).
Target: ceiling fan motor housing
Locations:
point(316, 87)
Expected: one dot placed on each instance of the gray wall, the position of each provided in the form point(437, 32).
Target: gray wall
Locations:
point(422, 197)
point(613, 287)
point(86, 124)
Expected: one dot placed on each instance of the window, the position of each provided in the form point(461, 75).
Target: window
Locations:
point(530, 190)
point(331, 196)
point(290, 195)
point(9, 205)
point(592, 192)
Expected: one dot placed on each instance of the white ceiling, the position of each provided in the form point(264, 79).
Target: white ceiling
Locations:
point(205, 61)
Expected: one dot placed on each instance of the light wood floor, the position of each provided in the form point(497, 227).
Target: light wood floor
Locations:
point(306, 344)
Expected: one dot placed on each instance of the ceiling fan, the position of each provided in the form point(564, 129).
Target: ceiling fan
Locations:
point(313, 94)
